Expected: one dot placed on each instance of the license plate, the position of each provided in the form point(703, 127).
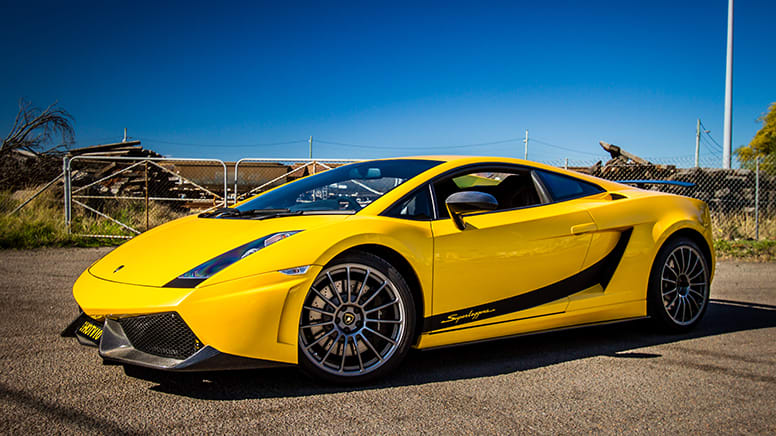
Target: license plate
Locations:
point(89, 330)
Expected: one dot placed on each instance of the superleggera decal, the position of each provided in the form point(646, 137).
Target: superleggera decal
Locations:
point(599, 273)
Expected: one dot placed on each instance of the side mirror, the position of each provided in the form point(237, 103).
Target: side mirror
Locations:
point(468, 201)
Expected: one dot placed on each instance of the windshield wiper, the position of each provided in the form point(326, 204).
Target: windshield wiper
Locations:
point(262, 214)
point(230, 212)
point(223, 211)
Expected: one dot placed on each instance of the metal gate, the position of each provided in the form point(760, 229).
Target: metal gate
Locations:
point(119, 197)
point(256, 175)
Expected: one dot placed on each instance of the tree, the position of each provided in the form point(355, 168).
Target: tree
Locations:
point(39, 136)
point(763, 145)
point(33, 129)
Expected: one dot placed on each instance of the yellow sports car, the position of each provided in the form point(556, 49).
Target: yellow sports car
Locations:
point(343, 271)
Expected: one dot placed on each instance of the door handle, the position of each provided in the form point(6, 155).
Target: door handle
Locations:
point(583, 228)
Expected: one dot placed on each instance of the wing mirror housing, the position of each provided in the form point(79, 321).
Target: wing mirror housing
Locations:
point(468, 201)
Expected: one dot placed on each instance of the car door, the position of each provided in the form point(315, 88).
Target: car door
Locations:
point(509, 263)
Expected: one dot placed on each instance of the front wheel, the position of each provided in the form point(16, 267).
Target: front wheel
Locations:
point(357, 320)
point(679, 286)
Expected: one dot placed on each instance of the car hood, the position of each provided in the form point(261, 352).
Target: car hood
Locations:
point(158, 256)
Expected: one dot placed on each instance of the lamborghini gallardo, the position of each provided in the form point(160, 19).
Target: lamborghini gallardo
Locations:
point(342, 272)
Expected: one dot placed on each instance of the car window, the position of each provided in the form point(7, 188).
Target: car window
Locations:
point(512, 188)
point(346, 188)
point(563, 187)
point(479, 179)
point(415, 207)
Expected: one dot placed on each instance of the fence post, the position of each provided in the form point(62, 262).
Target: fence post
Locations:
point(236, 167)
point(146, 194)
point(226, 186)
point(757, 199)
point(66, 188)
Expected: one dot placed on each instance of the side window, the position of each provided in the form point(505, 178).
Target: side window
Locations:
point(565, 188)
point(512, 188)
point(415, 207)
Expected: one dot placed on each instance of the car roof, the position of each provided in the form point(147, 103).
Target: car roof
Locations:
point(451, 161)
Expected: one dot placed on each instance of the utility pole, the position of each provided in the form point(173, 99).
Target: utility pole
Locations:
point(697, 141)
point(125, 135)
point(526, 144)
point(311, 147)
point(728, 91)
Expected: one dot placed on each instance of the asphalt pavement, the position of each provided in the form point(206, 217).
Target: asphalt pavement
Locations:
point(625, 378)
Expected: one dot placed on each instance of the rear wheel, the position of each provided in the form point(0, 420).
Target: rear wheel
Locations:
point(679, 286)
point(357, 320)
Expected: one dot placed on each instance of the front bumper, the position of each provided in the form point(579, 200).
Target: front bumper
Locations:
point(116, 346)
point(256, 318)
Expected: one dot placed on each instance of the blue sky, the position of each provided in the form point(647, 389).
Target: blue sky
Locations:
point(219, 80)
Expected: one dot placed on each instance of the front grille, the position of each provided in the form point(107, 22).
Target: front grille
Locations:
point(163, 334)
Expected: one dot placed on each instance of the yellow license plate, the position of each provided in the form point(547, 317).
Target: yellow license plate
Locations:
point(90, 331)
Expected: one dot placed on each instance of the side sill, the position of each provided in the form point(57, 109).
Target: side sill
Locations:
point(538, 332)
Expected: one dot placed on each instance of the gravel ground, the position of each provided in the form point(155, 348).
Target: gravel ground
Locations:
point(721, 378)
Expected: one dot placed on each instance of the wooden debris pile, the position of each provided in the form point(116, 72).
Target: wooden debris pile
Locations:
point(22, 169)
point(117, 149)
point(132, 179)
point(724, 190)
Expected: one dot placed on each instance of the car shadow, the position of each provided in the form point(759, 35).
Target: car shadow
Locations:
point(470, 361)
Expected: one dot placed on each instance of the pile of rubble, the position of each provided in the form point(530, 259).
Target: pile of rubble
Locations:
point(725, 190)
point(23, 169)
point(133, 178)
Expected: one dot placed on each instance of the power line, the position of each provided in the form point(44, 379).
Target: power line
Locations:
point(97, 140)
point(565, 148)
point(710, 147)
point(661, 159)
point(416, 147)
point(713, 140)
point(263, 144)
point(706, 131)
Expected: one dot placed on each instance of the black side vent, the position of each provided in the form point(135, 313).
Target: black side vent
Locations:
point(616, 196)
point(163, 334)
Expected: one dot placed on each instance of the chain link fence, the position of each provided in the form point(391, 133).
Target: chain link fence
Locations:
point(255, 175)
point(742, 202)
point(120, 197)
point(47, 196)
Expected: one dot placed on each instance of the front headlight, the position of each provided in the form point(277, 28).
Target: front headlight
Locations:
point(195, 276)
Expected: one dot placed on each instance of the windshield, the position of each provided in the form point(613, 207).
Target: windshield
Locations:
point(347, 188)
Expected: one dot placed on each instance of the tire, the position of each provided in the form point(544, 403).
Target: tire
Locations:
point(357, 320)
point(678, 292)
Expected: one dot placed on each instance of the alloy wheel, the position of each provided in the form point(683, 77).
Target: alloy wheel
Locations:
point(353, 319)
point(684, 285)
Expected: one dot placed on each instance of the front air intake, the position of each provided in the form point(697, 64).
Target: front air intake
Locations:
point(162, 334)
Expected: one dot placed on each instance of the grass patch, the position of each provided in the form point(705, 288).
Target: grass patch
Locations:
point(761, 251)
point(741, 226)
point(40, 223)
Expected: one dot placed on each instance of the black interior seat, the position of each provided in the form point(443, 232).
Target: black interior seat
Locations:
point(517, 190)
